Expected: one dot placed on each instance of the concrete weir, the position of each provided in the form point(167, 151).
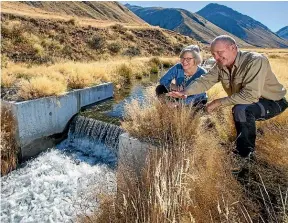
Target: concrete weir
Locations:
point(37, 120)
point(132, 153)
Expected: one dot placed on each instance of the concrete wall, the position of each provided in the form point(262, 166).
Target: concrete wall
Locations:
point(40, 118)
point(132, 154)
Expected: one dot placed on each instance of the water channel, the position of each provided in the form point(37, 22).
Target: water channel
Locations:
point(65, 182)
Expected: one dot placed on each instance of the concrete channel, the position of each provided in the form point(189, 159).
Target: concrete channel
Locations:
point(41, 121)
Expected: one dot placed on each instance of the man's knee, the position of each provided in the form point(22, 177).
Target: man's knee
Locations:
point(240, 113)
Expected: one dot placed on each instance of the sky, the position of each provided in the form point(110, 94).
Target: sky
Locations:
point(274, 15)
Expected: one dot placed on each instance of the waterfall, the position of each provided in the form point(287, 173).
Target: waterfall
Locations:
point(92, 141)
point(96, 130)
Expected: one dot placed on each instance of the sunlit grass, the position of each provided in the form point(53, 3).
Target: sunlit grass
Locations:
point(75, 75)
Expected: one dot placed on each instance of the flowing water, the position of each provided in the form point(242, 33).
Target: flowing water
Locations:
point(65, 181)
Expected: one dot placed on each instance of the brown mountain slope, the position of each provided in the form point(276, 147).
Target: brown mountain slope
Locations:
point(182, 21)
point(242, 26)
point(105, 11)
point(201, 29)
point(26, 39)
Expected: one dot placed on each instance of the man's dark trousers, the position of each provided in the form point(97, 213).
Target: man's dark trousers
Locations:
point(245, 116)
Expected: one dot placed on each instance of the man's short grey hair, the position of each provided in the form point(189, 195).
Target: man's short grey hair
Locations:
point(225, 39)
point(195, 51)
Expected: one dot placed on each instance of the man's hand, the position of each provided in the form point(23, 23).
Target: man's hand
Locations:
point(176, 94)
point(210, 107)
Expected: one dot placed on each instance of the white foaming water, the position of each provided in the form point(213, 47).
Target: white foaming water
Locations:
point(54, 188)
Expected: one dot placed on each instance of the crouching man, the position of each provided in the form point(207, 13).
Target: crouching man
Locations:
point(251, 86)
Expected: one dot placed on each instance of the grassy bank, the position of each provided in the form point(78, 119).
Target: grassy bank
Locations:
point(39, 81)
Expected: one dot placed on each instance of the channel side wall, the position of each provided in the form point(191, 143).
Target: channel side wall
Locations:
point(37, 120)
point(132, 154)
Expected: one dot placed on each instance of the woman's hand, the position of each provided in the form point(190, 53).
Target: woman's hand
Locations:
point(175, 87)
point(176, 94)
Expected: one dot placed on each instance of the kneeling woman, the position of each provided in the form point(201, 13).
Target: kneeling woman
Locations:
point(184, 73)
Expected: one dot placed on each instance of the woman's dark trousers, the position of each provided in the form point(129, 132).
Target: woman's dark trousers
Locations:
point(245, 116)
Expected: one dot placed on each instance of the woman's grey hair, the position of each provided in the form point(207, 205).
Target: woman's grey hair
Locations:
point(225, 39)
point(195, 51)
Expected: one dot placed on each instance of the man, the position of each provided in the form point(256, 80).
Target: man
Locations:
point(251, 86)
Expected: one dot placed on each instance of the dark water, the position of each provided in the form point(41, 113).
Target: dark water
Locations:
point(112, 110)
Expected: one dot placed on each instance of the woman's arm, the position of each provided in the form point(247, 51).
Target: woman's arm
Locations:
point(168, 77)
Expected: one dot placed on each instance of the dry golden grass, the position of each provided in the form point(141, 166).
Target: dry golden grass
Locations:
point(38, 87)
point(7, 80)
point(40, 81)
point(8, 145)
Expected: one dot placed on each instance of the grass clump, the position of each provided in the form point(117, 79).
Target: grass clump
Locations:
point(40, 86)
point(7, 80)
point(78, 79)
point(132, 51)
point(124, 72)
point(97, 42)
point(114, 47)
point(8, 147)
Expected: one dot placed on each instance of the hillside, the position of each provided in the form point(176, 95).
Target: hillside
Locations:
point(283, 33)
point(242, 26)
point(26, 39)
point(109, 11)
point(181, 21)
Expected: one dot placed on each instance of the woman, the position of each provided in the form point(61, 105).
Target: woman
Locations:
point(184, 73)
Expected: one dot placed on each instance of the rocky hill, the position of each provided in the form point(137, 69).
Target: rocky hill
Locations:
point(182, 21)
point(283, 33)
point(242, 26)
point(46, 40)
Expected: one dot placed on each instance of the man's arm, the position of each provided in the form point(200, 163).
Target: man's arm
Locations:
point(253, 84)
point(203, 83)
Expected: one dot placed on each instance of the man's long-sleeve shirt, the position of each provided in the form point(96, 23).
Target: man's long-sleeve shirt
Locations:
point(251, 78)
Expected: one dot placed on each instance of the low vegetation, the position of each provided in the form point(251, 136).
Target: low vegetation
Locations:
point(39, 81)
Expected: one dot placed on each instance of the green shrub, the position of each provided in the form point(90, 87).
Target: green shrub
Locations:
point(154, 69)
point(132, 51)
point(114, 47)
point(97, 42)
point(125, 73)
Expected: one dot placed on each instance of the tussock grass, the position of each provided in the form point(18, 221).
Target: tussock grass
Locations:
point(40, 81)
point(38, 87)
point(7, 80)
point(8, 147)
